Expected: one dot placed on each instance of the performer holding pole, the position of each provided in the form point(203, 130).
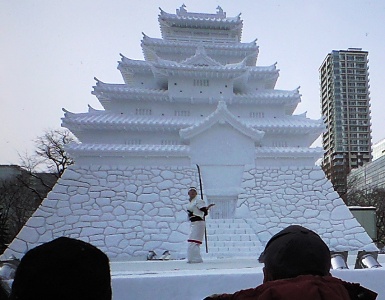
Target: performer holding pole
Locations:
point(197, 210)
point(201, 188)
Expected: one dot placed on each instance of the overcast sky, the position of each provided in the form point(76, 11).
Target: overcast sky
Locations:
point(51, 51)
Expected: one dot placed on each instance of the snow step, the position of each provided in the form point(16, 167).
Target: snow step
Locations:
point(231, 238)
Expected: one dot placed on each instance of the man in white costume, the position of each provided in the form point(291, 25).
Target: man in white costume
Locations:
point(197, 211)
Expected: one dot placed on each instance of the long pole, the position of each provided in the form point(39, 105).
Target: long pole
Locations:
point(201, 188)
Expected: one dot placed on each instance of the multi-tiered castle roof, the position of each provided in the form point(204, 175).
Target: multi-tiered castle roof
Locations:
point(197, 71)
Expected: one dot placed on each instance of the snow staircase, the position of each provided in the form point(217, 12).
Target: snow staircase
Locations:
point(231, 238)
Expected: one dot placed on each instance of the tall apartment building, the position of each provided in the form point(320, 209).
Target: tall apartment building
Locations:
point(345, 108)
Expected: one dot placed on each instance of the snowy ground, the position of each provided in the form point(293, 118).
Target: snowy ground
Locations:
point(177, 279)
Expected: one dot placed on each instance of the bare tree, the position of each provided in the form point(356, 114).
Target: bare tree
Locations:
point(17, 203)
point(22, 193)
point(50, 156)
point(4, 233)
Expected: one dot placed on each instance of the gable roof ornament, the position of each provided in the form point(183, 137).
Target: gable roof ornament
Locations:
point(67, 113)
point(220, 11)
point(221, 116)
point(98, 81)
point(182, 11)
point(201, 59)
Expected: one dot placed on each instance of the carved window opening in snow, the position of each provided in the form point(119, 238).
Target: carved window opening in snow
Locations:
point(169, 142)
point(133, 142)
point(201, 82)
point(279, 144)
point(257, 114)
point(143, 112)
point(182, 113)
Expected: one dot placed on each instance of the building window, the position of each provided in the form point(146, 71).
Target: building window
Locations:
point(143, 112)
point(182, 113)
point(133, 142)
point(279, 144)
point(169, 142)
point(257, 114)
point(201, 82)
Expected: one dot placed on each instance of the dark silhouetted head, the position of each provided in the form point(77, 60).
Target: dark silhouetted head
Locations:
point(63, 269)
point(295, 251)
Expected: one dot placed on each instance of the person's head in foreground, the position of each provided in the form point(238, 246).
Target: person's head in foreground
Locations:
point(63, 269)
point(295, 251)
point(297, 266)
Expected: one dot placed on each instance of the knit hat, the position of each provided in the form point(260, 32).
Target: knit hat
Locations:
point(63, 269)
point(295, 251)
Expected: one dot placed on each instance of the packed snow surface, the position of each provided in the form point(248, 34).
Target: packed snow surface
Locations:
point(176, 279)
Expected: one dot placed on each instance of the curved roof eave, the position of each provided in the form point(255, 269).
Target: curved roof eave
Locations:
point(220, 115)
point(137, 66)
point(127, 150)
point(149, 41)
point(289, 152)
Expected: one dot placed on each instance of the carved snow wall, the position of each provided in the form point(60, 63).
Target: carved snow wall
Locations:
point(127, 211)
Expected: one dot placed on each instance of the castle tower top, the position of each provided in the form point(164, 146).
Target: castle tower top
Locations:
point(217, 27)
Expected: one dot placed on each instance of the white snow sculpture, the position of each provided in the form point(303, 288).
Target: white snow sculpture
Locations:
point(196, 98)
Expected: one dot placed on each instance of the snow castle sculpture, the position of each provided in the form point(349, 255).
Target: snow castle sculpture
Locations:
point(196, 98)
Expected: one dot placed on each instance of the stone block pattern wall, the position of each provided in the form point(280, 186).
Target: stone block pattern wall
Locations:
point(123, 211)
point(274, 198)
point(128, 211)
